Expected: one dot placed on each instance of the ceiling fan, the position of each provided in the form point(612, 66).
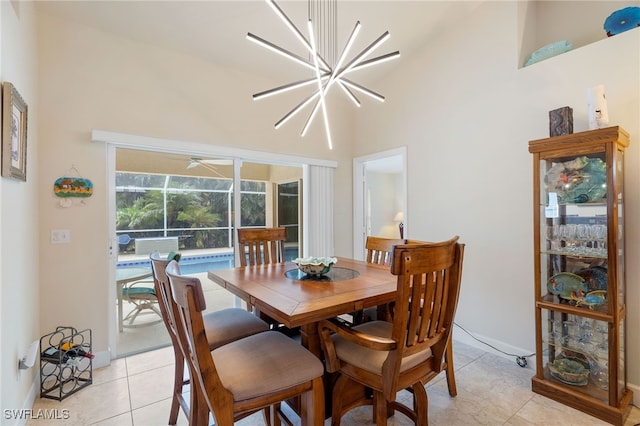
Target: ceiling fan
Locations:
point(196, 161)
point(209, 164)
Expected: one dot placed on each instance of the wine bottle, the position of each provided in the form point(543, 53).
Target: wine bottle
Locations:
point(74, 350)
point(54, 355)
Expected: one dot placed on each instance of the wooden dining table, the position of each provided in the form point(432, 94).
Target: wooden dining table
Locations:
point(295, 299)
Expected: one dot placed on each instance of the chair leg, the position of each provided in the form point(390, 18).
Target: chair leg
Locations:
point(336, 399)
point(313, 405)
point(199, 410)
point(270, 415)
point(380, 409)
point(451, 377)
point(178, 381)
point(420, 404)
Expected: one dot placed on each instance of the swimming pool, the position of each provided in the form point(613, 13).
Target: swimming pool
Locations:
point(202, 263)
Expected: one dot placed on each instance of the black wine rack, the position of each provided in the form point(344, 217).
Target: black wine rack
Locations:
point(66, 363)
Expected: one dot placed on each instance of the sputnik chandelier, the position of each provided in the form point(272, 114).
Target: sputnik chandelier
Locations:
point(326, 72)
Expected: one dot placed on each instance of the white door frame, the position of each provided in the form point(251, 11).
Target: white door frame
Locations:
point(359, 196)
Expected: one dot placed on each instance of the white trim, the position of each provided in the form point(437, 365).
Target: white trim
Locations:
point(317, 191)
point(112, 250)
point(199, 148)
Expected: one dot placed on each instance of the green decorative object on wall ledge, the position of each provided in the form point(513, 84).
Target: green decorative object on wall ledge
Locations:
point(549, 51)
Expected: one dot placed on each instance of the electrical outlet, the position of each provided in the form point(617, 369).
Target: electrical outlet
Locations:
point(60, 236)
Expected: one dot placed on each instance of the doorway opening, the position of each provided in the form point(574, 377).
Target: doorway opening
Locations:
point(179, 203)
point(380, 197)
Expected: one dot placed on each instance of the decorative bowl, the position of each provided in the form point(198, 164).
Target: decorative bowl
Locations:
point(315, 265)
point(569, 370)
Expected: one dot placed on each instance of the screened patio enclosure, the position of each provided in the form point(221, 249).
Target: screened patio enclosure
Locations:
point(172, 198)
point(190, 201)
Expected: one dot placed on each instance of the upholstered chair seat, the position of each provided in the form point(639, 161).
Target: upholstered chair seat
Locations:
point(264, 363)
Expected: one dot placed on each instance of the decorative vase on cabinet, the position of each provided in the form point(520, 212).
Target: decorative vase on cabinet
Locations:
point(579, 271)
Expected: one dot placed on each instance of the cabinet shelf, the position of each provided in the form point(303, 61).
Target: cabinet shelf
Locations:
point(578, 256)
point(549, 303)
point(579, 272)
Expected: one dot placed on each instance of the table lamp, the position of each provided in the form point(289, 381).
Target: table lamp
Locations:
point(399, 218)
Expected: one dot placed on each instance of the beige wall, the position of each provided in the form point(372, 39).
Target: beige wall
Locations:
point(93, 80)
point(19, 238)
point(466, 116)
point(462, 107)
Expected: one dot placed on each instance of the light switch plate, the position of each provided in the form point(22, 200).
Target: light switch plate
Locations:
point(60, 236)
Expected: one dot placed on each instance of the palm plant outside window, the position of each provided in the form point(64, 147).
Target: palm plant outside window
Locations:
point(197, 210)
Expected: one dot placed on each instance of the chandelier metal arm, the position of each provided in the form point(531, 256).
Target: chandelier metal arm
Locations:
point(292, 27)
point(297, 109)
point(321, 90)
point(376, 60)
point(287, 87)
point(355, 61)
point(349, 93)
point(277, 49)
point(363, 89)
point(345, 51)
point(307, 123)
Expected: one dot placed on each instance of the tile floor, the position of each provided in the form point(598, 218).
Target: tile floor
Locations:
point(134, 340)
point(492, 390)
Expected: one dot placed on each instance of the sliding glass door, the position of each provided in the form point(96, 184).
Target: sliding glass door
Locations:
point(171, 202)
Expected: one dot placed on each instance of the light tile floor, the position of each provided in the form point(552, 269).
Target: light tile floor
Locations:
point(492, 390)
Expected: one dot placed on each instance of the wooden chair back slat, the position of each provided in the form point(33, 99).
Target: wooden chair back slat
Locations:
point(427, 295)
point(261, 246)
point(379, 249)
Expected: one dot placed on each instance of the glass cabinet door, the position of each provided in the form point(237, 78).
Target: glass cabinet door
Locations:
point(574, 231)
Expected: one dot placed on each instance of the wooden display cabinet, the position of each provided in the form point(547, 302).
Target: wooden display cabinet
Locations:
point(579, 271)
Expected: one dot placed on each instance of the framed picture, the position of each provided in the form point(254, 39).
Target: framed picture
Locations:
point(14, 133)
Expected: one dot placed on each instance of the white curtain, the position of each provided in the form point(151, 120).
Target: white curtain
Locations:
point(318, 214)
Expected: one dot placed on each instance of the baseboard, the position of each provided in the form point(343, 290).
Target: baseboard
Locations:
point(477, 342)
point(102, 359)
point(25, 414)
point(636, 394)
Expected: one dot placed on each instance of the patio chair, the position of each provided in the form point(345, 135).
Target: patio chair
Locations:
point(406, 353)
point(123, 241)
point(143, 296)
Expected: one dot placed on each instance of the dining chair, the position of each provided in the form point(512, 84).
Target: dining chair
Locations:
point(261, 246)
point(408, 352)
point(250, 374)
point(220, 327)
point(448, 356)
point(378, 253)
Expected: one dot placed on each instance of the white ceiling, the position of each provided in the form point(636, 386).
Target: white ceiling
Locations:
point(216, 30)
